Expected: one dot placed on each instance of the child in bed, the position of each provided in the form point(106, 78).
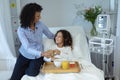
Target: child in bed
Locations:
point(63, 47)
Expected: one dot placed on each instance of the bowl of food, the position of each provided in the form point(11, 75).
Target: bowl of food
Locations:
point(57, 62)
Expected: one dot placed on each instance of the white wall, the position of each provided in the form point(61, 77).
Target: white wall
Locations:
point(117, 47)
point(63, 12)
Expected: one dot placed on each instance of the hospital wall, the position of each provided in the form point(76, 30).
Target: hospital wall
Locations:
point(63, 12)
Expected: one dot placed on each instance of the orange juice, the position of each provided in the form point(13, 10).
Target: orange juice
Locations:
point(65, 64)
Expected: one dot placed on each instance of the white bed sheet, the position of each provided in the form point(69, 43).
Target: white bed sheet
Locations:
point(88, 72)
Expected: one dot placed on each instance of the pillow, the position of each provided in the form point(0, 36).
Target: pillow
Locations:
point(48, 43)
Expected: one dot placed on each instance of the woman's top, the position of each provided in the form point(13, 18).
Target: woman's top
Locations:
point(31, 40)
point(65, 53)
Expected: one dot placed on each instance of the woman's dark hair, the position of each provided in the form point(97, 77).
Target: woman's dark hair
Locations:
point(28, 14)
point(67, 39)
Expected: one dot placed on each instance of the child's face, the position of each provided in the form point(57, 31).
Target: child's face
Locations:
point(59, 38)
point(37, 17)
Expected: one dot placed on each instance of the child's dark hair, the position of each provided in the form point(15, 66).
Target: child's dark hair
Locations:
point(28, 14)
point(67, 39)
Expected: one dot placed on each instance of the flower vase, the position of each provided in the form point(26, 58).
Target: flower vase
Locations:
point(93, 31)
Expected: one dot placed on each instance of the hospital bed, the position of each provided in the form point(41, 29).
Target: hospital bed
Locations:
point(81, 52)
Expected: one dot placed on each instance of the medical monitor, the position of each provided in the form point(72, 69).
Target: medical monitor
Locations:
point(103, 23)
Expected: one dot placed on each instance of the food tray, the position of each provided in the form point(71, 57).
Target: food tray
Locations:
point(49, 67)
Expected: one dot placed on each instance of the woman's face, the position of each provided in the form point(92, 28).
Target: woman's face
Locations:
point(37, 17)
point(59, 38)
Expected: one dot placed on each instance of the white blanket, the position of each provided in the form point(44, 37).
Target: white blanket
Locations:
point(88, 72)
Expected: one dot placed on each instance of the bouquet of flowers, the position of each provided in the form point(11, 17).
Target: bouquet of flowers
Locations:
point(91, 15)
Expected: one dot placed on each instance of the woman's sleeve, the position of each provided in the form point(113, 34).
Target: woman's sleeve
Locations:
point(47, 59)
point(25, 43)
point(47, 32)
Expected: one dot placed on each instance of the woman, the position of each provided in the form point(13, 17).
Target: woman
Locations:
point(30, 35)
point(63, 47)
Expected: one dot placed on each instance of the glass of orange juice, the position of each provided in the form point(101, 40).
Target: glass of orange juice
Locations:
point(65, 64)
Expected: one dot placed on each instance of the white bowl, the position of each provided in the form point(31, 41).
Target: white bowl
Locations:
point(57, 62)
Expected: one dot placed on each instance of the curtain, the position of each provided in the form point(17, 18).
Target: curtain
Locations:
point(7, 60)
point(6, 37)
point(117, 46)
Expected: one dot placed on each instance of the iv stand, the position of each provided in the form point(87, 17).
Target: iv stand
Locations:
point(104, 56)
point(103, 27)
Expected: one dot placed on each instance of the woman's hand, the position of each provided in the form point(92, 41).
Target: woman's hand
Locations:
point(51, 53)
point(52, 58)
point(46, 54)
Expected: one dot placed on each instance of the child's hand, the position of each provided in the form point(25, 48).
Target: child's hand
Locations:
point(57, 52)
